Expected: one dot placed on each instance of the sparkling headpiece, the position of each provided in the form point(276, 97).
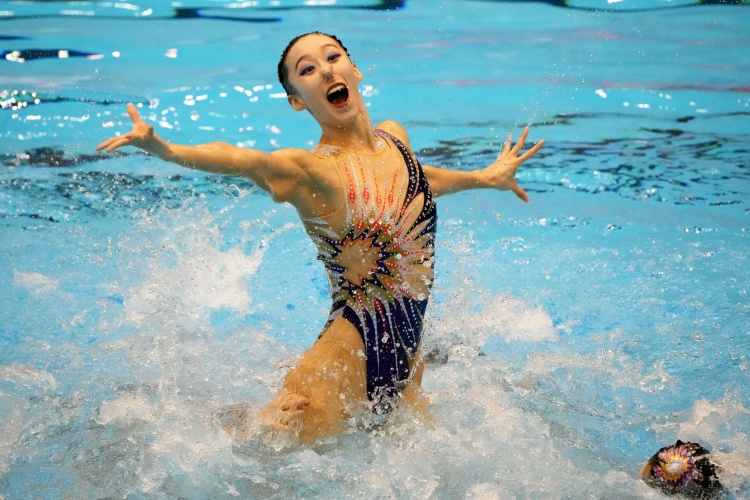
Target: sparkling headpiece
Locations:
point(683, 468)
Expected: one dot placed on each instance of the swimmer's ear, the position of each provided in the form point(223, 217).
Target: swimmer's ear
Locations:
point(297, 103)
point(357, 72)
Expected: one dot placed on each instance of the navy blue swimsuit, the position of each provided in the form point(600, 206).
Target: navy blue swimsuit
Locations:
point(380, 265)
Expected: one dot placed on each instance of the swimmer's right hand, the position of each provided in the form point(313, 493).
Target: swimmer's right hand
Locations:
point(285, 412)
point(142, 136)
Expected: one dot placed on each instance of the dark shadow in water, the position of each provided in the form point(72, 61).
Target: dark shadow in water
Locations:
point(75, 196)
point(571, 5)
point(19, 99)
point(664, 165)
point(667, 164)
point(237, 14)
point(24, 55)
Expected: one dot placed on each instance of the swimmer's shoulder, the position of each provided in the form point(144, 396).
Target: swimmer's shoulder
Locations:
point(308, 160)
point(309, 165)
point(316, 169)
point(395, 129)
point(308, 181)
point(300, 157)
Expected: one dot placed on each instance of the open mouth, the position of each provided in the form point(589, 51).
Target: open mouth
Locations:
point(338, 95)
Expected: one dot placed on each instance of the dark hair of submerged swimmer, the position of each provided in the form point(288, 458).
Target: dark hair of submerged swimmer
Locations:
point(683, 469)
point(283, 71)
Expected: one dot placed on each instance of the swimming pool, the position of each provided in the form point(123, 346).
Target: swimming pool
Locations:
point(576, 334)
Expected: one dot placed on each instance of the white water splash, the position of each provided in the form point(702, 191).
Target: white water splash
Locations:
point(187, 274)
point(716, 425)
point(36, 284)
point(22, 383)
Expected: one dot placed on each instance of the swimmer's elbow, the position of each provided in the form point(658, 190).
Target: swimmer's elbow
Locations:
point(278, 197)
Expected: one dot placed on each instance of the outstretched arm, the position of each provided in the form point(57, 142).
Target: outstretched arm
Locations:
point(501, 174)
point(278, 173)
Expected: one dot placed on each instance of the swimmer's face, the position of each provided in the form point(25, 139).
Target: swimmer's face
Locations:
point(323, 78)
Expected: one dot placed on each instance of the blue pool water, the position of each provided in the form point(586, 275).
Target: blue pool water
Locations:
point(576, 334)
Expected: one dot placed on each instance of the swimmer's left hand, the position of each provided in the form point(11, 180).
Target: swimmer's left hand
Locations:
point(502, 173)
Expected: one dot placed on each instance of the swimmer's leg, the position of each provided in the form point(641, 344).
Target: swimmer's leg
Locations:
point(317, 394)
point(412, 395)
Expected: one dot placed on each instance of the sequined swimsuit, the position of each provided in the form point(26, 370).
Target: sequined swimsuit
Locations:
point(380, 265)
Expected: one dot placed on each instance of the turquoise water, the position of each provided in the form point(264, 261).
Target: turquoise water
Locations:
point(576, 334)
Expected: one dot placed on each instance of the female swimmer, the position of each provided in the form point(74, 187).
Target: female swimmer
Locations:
point(369, 207)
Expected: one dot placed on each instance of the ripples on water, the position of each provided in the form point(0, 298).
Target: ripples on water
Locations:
point(185, 310)
point(671, 166)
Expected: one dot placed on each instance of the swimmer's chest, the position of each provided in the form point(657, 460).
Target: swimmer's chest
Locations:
point(365, 186)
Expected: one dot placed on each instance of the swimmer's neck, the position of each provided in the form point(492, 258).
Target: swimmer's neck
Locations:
point(359, 136)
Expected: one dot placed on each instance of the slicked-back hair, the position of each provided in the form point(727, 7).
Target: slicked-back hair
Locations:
point(283, 71)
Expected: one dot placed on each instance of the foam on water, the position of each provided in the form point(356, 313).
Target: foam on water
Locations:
point(163, 441)
point(188, 307)
point(720, 423)
point(136, 412)
point(189, 275)
point(36, 283)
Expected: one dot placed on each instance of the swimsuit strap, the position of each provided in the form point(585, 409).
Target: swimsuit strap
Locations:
point(417, 178)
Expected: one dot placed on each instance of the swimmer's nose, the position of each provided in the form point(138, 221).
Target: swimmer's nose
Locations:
point(327, 72)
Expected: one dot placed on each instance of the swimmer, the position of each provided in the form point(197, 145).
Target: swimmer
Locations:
point(683, 469)
point(369, 207)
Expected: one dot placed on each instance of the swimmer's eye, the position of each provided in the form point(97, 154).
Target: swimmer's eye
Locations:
point(330, 58)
